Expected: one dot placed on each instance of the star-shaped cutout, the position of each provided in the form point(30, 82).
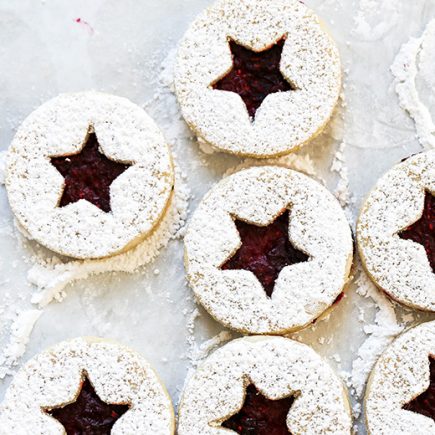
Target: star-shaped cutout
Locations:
point(423, 231)
point(88, 415)
point(88, 175)
point(265, 251)
point(254, 75)
point(425, 403)
point(260, 415)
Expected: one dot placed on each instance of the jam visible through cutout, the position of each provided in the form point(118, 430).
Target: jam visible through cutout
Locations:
point(254, 75)
point(265, 251)
point(88, 414)
point(425, 403)
point(260, 415)
point(88, 175)
point(423, 231)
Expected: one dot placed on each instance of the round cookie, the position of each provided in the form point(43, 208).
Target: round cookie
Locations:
point(269, 57)
point(89, 385)
point(273, 384)
point(89, 175)
point(396, 237)
point(268, 250)
point(401, 389)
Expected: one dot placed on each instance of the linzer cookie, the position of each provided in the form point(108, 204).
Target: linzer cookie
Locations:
point(87, 386)
point(268, 250)
point(264, 386)
point(257, 78)
point(396, 232)
point(89, 175)
point(400, 395)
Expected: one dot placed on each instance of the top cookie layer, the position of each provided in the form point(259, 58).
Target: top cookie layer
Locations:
point(400, 375)
point(285, 120)
point(117, 374)
point(138, 197)
point(278, 367)
point(317, 227)
point(400, 267)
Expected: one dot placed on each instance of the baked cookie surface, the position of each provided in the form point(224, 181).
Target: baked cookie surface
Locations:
point(264, 385)
point(257, 78)
point(268, 250)
point(396, 232)
point(86, 385)
point(89, 175)
point(401, 389)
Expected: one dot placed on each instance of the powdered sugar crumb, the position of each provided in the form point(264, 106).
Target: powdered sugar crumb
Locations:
point(297, 161)
point(380, 333)
point(19, 337)
point(369, 20)
point(206, 347)
point(342, 190)
point(405, 70)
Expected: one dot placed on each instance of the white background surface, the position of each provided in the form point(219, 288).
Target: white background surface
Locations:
point(44, 51)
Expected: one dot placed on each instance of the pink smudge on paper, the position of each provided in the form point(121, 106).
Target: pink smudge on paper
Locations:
point(85, 24)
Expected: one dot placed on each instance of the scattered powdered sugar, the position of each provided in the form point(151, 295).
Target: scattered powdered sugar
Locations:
point(405, 70)
point(299, 162)
point(342, 190)
point(50, 274)
point(380, 333)
point(167, 72)
point(370, 21)
point(19, 337)
point(206, 347)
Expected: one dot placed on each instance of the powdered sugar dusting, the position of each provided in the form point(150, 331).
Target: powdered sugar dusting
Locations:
point(342, 191)
point(380, 333)
point(370, 18)
point(20, 335)
point(299, 162)
point(405, 70)
point(51, 274)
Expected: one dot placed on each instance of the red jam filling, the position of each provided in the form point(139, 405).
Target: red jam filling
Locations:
point(423, 231)
point(425, 403)
point(265, 251)
point(88, 175)
point(254, 75)
point(260, 416)
point(88, 414)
